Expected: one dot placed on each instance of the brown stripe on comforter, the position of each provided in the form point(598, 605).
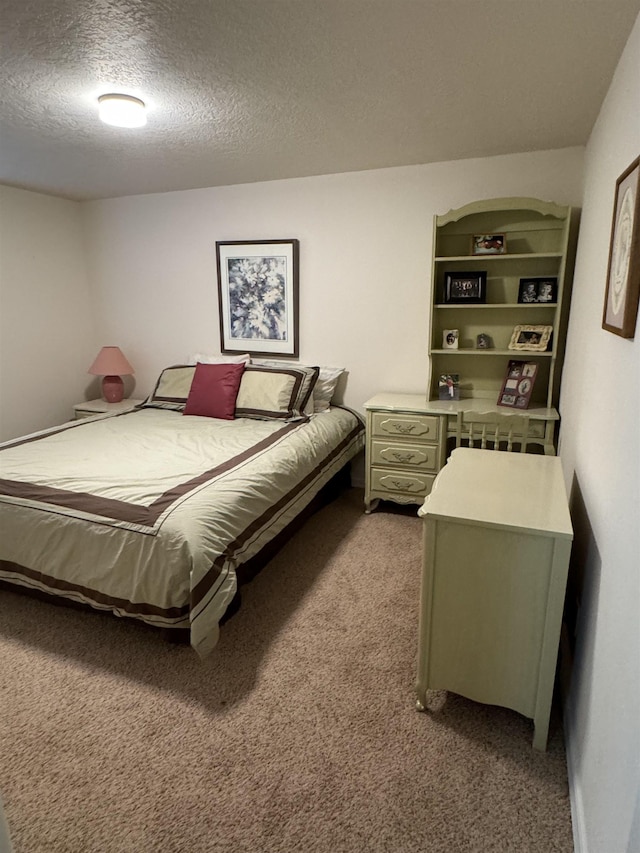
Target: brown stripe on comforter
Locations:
point(211, 492)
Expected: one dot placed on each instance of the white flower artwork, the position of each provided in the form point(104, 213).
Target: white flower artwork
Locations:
point(258, 296)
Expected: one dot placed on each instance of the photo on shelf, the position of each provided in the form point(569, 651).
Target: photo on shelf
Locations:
point(465, 287)
point(449, 386)
point(538, 290)
point(532, 338)
point(483, 341)
point(488, 244)
point(518, 383)
point(449, 339)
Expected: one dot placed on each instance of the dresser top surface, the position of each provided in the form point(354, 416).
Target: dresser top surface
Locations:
point(517, 491)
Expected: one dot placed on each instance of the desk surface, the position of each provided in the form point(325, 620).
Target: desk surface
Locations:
point(394, 402)
point(515, 491)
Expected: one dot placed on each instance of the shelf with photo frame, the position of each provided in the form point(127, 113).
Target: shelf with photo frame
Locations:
point(519, 285)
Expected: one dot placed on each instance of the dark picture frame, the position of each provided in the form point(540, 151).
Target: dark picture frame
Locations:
point(539, 290)
point(489, 244)
point(620, 310)
point(258, 292)
point(465, 287)
point(518, 383)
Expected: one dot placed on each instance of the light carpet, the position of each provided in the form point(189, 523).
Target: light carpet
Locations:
point(299, 733)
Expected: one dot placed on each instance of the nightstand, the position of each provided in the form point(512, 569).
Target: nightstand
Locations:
point(101, 407)
point(405, 449)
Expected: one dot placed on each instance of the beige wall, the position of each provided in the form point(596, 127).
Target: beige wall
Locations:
point(46, 326)
point(140, 272)
point(365, 268)
point(600, 448)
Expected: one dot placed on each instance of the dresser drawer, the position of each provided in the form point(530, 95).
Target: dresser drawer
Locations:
point(393, 482)
point(405, 425)
point(536, 429)
point(423, 457)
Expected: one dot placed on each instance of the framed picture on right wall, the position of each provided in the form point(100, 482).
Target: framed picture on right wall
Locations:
point(623, 274)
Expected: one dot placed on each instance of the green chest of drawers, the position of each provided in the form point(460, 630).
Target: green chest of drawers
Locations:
point(405, 449)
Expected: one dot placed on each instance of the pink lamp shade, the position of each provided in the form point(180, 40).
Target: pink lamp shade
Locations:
point(111, 364)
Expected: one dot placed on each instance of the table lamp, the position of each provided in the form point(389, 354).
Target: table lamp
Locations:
point(111, 364)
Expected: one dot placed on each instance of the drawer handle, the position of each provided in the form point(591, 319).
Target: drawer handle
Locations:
point(403, 427)
point(402, 457)
point(402, 484)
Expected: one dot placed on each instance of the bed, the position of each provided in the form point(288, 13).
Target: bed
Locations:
point(150, 514)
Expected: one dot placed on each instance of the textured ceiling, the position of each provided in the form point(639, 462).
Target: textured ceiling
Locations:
point(255, 90)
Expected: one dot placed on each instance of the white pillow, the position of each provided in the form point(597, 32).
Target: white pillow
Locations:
point(204, 358)
point(325, 387)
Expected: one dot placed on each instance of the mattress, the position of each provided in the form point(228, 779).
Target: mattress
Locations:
point(148, 514)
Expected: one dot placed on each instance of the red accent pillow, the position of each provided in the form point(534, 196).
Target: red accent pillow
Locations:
point(214, 390)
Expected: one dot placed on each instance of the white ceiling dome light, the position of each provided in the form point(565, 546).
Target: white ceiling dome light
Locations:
point(122, 110)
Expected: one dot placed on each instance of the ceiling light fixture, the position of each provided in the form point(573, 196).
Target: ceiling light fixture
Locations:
point(122, 110)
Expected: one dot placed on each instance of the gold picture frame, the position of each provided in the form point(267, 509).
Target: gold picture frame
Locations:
point(531, 338)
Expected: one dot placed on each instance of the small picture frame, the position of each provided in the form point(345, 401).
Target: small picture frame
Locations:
point(450, 339)
point(542, 290)
point(465, 287)
point(449, 386)
point(518, 383)
point(483, 341)
point(623, 274)
point(532, 338)
point(488, 244)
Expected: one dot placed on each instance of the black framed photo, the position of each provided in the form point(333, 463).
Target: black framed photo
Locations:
point(465, 287)
point(538, 290)
point(258, 296)
point(518, 384)
point(483, 341)
point(488, 244)
point(623, 273)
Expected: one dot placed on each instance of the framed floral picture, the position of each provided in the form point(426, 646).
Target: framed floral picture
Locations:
point(623, 273)
point(258, 296)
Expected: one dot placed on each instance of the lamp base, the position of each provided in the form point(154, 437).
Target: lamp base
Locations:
point(112, 389)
